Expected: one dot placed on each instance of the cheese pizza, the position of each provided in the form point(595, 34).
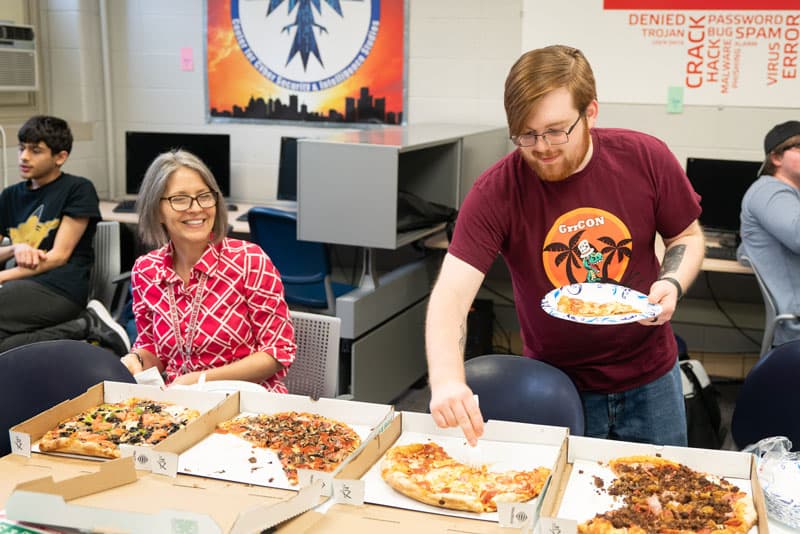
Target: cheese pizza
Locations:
point(661, 496)
point(300, 440)
point(588, 308)
point(426, 473)
point(100, 430)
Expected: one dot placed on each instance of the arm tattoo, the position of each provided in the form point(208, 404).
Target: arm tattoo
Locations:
point(462, 341)
point(672, 259)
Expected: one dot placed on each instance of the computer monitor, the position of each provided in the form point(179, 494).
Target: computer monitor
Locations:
point(141, 148)
point(721, 183)
point(287, 169)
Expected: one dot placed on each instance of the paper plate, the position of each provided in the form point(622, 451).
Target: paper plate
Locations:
point(601, 294)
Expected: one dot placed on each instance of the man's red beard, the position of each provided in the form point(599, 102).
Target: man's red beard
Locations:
point(565, 167)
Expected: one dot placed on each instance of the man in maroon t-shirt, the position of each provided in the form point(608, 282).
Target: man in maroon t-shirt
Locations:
point(573, 203)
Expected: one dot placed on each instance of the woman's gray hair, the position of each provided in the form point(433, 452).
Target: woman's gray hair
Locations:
point(148, 203)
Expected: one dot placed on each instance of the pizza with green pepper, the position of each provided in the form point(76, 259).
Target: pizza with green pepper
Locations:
point(99, 431)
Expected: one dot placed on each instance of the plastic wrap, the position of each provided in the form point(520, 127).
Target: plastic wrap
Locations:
point(779, 475)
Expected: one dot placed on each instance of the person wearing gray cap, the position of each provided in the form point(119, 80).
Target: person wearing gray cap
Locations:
point(770, 224)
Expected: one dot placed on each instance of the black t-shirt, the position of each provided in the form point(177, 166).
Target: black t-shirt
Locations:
point(33, 217)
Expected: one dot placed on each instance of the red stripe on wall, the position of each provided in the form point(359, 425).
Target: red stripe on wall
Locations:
point(728, 5)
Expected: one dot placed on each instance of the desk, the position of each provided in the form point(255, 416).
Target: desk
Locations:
point(714, 265)
point(108, 213)
point(724, 266)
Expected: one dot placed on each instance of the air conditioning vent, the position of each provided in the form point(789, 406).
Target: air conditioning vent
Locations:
point(18, 60)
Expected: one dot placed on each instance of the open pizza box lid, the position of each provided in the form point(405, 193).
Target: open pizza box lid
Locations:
point(25, 435)
point(114, 497)
point(362, 502)
point(578, 495)
point(227, 457)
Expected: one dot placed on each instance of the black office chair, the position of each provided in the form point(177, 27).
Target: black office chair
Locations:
point(769, 398)
point(516, 388)
point(36, 377)
point(304, 265)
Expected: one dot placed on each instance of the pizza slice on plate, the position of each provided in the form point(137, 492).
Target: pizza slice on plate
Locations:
point(588, 308)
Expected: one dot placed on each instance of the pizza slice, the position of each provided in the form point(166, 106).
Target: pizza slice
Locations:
point(426, 473)
point(300, 440)
point(658, 495)
point(100, 430)
point(588, 308)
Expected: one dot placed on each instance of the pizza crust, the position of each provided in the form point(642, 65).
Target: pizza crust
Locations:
point(406, 485)
point(601, 525)
point(72, 445)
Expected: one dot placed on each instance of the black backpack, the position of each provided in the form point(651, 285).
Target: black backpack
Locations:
point(703, 419)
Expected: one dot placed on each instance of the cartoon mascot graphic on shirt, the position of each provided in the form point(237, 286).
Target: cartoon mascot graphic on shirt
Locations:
point(32, 231)
point(591, 258)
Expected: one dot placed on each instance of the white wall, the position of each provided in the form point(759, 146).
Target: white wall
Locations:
point(459, 54)
point(69, 35)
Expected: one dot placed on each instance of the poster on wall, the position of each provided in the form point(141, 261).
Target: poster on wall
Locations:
point(712, 52)
point(309, 61)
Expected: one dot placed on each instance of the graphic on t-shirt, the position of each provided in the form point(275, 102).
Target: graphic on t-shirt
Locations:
point(586, 245)
point(32, 231)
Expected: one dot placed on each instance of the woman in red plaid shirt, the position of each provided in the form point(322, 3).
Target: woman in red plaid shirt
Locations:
point(205, 304)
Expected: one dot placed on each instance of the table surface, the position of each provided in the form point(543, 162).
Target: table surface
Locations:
point(11, 464)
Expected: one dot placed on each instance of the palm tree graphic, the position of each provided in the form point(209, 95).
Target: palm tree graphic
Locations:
point(570, 253)
point(612, 249)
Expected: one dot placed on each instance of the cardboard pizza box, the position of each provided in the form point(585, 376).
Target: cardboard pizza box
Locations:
point(227, 457)
point(114, 497)
point(25, 435)
point(578, 496)
point(362, 502)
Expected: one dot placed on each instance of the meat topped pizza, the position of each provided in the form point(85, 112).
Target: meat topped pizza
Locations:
point(426, 473)
point(661, 496)
point(100, 430)
point(301, 440)
point(588, 308)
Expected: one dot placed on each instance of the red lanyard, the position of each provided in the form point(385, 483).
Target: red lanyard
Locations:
point(185, 345)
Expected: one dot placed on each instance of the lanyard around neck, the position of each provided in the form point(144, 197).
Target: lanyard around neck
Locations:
point(185, 344)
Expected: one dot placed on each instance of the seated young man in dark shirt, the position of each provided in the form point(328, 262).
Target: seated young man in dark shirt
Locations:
point(50, 218)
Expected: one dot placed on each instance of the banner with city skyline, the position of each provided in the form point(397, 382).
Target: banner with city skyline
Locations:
point(335, 61)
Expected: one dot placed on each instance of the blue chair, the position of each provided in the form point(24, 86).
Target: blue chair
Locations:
point(36, 377)
point(304, 265)
point(520, 389)
point(769, 398)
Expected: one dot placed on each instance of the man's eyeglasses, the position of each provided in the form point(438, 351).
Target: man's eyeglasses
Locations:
point(184, 202)
point(550, 137)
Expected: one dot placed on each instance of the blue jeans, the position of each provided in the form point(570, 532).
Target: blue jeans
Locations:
point(652, 413)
